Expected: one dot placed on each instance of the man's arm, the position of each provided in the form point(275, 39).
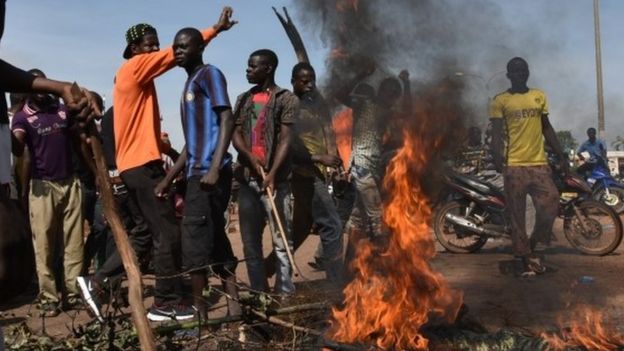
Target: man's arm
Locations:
point(18, 142)
point(149, 66)
point(285, 139)
point(497, 143)
point(344, 92)
point(286, 120)
point(603, 149)
point(551, 138)
point(226, 127)
point(162, 188)
point(18, 146)
point(15, 80)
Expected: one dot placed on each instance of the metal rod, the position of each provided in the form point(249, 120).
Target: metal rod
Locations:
point(600, 95)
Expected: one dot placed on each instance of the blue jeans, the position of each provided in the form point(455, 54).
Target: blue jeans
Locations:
point(254, 211)
point(366, 217)
point(314, 204)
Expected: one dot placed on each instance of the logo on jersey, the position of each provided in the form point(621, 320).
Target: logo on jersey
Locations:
point(62, 114)
point(190, 96)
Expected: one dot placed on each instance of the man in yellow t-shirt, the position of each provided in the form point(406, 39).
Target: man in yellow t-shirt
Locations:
point(523, 112)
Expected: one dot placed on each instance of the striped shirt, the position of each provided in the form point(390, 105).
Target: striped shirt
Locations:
point(204, 92)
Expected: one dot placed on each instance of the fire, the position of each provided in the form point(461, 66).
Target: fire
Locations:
point(342, 124)
point(588, 331)
point(395, 291)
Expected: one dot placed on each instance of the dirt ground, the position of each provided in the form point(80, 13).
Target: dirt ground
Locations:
point(494, 295)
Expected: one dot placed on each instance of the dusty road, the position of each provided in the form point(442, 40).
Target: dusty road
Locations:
point(495, 296)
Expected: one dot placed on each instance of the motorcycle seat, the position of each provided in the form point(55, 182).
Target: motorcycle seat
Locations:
point(477, 184)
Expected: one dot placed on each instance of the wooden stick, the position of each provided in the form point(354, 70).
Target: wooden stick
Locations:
point(281, 228)
point(128, 257)
point(283, 323)
point(231, 319)
point(293, 35)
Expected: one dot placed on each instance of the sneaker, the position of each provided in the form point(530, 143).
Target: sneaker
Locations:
point(72, 302)
point(50, 309)
point(92, 293)
point(532, 266)
point(161, 313)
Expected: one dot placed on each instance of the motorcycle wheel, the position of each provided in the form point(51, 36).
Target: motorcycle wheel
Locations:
point(595, 229)
point(615, 199)
point(452, 237)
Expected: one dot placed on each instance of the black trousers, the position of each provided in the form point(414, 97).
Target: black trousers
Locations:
point(160, 218)
point(140, 237)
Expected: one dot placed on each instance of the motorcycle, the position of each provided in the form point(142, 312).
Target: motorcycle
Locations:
point(606, 189)
point(477, 211)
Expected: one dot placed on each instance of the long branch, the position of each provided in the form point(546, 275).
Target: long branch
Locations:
point(128, 257)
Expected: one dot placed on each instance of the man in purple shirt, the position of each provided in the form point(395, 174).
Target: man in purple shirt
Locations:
point(54, 195)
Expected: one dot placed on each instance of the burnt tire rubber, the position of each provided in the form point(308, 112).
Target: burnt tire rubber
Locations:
point(452, 237)
point(602, 232)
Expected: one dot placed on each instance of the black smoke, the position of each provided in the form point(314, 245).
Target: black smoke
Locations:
point(469, 40)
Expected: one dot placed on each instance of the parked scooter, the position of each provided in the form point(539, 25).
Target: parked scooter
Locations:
point(476, 212)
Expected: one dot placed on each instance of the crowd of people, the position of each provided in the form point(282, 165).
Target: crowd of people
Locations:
point(288, 163)
point(288, 143)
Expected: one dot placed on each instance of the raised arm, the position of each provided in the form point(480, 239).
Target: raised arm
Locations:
point(151, 65)
point(344, 92)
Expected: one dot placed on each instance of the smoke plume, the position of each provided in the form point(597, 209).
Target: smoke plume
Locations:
point(433, 39)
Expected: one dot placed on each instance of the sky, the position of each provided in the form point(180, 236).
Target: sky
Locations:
point(84, 40)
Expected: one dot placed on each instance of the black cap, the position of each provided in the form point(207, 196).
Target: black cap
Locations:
point(135, 34)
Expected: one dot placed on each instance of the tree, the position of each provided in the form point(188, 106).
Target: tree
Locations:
point(566, 140)
point(618, 143)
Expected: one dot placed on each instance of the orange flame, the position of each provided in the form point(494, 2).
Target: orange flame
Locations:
point(395, 292)
point(588, 330)
point(342, 124)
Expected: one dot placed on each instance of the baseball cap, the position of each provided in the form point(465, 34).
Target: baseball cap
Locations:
point(134, 34)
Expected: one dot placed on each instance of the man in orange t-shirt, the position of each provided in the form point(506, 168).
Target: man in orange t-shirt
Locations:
point(138, 155)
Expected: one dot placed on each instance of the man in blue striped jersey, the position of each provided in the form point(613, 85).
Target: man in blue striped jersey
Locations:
point(208, 124)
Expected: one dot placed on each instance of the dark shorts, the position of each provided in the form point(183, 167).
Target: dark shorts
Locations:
point(204, 241)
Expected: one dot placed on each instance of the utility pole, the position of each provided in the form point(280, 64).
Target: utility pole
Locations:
point(601, 119)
